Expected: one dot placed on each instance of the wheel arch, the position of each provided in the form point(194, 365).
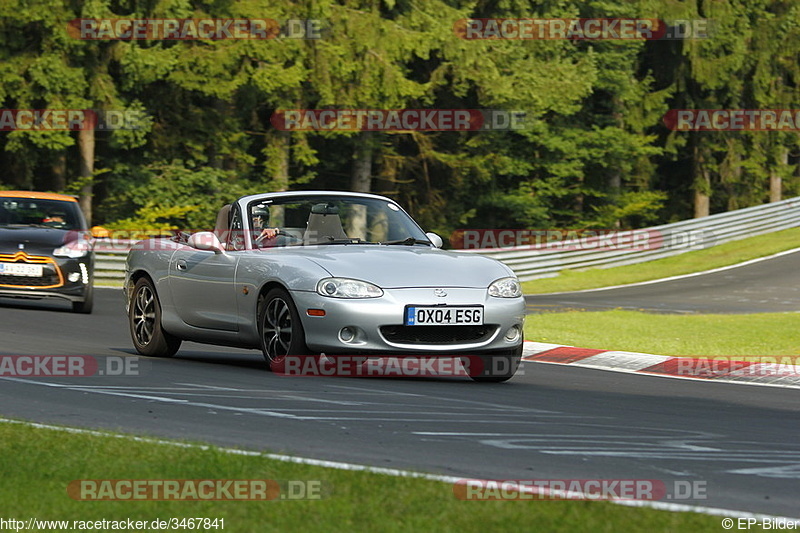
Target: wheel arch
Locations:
point(268, 286)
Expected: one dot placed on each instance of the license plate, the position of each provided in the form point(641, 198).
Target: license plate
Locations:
point(21, 269)
point(444, 316)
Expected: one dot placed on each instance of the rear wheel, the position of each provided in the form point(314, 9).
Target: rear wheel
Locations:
point(499, 368)
point(280, 329)
point(144, 318)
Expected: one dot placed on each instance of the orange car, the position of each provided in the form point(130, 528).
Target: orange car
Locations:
point(46, 249)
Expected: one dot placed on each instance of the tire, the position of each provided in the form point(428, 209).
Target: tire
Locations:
point(144, 318)
point(87, 304)
point(280, 331)
point(499, 368)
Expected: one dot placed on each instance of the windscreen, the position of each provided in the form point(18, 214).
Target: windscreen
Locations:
point(39, 213)
point(315, 220)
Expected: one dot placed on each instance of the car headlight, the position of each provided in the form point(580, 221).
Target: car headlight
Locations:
point(348, 288)
point(73, 250)
point(505, 288)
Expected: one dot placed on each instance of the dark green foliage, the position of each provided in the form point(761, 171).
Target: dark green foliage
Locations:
point(594, 153)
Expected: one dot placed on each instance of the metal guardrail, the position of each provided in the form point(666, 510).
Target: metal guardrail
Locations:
point(109, 260)
point(534, 262)
point(540, 262)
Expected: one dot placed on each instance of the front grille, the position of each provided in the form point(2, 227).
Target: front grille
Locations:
point(437, 334)
point(48, 280)
point(51, 275)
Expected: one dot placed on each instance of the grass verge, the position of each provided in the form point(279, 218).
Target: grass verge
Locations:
point(726, 254)
point(762, 334)
point(38, 464)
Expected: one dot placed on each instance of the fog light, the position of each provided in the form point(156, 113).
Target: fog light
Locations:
point(75, 276)
point(512, 334)
point(347, 334)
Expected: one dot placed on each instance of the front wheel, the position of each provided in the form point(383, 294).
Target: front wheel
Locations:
point(86, 305)
point(144, 318)
point(280, 329)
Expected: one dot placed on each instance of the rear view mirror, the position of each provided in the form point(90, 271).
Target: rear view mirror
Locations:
point(99, 232)
point(435, 239)
point(206, 240)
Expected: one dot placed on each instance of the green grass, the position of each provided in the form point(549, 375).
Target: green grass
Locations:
point(38, 464)
point(687, 263)
point(763, 334)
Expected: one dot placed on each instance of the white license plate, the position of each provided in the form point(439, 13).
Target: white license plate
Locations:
point(21, 269)
point(444, 316)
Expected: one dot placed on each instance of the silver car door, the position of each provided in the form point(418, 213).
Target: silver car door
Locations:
point(202, 283)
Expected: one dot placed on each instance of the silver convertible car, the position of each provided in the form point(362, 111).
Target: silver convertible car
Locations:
point(320, 272)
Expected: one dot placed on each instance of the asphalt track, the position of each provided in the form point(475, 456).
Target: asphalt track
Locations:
point(739, 443)
point(761, 287)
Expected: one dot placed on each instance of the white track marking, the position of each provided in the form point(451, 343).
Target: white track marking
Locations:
point(682, 276)
point(664, 506)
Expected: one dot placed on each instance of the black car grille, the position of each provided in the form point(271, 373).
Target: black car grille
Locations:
point(437, 334)
point(49, 279)
point(51, 274)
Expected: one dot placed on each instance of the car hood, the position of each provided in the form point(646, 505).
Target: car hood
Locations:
point(399, 266)
point(33, 240)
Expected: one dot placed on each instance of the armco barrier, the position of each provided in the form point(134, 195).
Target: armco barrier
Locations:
point(529, 263)
point(676, 238)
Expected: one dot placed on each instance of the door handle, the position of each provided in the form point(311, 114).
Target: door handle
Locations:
point(181, 264)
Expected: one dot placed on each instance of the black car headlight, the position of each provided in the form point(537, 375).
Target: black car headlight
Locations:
point(73, 250)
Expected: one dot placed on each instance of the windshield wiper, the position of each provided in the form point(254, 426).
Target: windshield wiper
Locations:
point(343, 241)
point(410, 241)
point(33, 225)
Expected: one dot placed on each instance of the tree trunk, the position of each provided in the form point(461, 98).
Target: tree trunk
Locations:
point(280, 174)
point(615, 179)
point(701, 204)
point(86, 170)
point(702, 185)
point(734, 177)
point(775, 180)
point(59, 168)
point(361, 181)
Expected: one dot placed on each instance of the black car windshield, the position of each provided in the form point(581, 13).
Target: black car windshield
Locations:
point(314, 220)
point(36, 212)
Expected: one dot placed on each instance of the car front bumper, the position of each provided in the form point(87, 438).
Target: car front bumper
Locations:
point(377, 323)
point(61, 270)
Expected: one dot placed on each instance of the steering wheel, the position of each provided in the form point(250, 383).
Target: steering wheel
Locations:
point(281, 233)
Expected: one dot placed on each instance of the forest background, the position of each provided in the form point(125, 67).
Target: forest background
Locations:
point(595, 151)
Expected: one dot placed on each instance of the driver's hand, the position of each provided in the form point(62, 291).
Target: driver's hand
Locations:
point(268, 233)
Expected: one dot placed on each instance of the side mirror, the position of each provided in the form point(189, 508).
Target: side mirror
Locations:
point(99, 232)
point(206, 240)
point(435, 239)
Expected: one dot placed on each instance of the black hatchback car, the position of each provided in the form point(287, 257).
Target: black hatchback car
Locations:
point(46, 249)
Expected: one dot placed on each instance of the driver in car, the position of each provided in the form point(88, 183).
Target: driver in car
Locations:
point(260, 216)
point(55, 219)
